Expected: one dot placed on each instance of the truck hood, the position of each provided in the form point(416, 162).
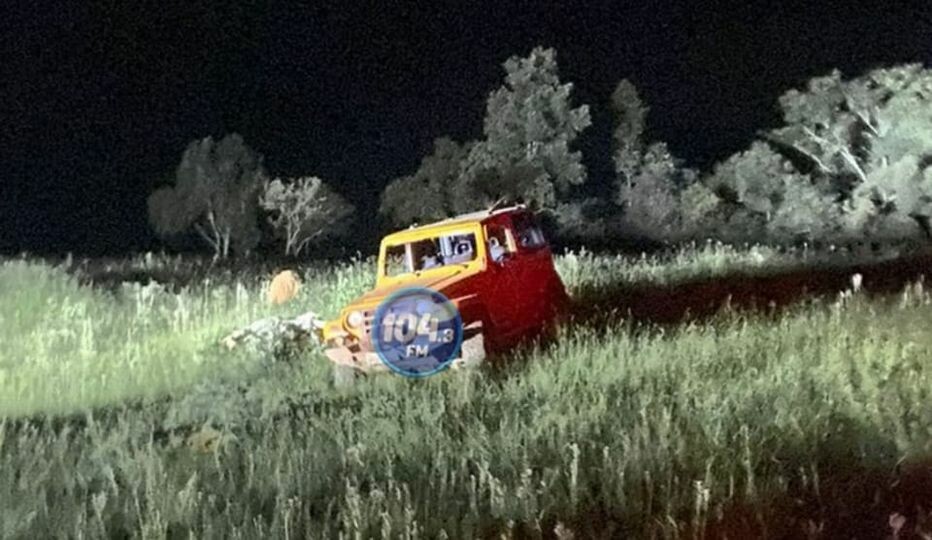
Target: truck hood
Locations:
point(438, 281)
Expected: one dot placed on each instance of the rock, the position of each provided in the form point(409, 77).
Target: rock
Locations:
point(273, 332)
point(284, 287)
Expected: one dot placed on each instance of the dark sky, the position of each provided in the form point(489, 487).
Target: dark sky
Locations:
point(98, 100)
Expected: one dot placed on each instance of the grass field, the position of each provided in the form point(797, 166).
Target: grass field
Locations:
point(811, 421)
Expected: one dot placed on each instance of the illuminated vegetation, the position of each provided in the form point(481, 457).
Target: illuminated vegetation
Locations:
point(617, 428)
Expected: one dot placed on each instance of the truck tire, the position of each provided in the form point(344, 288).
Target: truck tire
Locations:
point(472, 352)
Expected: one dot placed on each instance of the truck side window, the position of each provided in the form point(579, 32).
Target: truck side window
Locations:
point(527, 232)
point(430, 252)
point(458, 248)
point(398, 260)
point(499, 243)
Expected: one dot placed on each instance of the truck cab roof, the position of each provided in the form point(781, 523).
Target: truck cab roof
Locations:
point(452, 222)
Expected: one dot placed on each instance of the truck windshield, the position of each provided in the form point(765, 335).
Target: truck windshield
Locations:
point(430, 252)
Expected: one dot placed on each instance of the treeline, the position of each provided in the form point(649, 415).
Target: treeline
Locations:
point(850, 164)
point(220, 191)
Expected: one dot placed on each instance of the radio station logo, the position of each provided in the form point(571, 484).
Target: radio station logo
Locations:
point(417, 332)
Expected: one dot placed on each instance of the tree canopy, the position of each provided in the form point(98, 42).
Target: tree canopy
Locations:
point(850, 162)
point(303, 211)
point(530, 125)
point(652, 187)
point(859, 152)
point(525, 155)
point(214, 194)
point(426, 195)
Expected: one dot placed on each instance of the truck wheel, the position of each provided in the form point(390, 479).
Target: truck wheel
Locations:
point(343, 376)
point(472, 352)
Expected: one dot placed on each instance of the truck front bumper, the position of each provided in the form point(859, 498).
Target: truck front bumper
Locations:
point(471, 354)
point(365, 361)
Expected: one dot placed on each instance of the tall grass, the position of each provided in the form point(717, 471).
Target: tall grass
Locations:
point(608, 432)
point(66, 347)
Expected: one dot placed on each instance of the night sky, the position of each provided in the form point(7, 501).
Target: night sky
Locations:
point(99, 99)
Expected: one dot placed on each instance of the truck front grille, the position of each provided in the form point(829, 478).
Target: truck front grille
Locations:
point(368, 317)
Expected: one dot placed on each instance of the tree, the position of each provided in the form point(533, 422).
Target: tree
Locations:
point(302, 211)
point(525, 155)
point(648, 194)
point(892, 202)
point(770, 199)
point(806, 213)
point(650, 183)
point(701, 210)
point(529, 127)
point(868, 140)
point(631, 119)
point(585, 220)
point(427, 194)
point(850, 163)
point(215, 194)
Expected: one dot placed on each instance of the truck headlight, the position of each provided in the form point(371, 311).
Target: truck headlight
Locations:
point(354, 319)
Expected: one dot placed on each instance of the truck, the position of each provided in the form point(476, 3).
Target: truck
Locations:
point(494, 266)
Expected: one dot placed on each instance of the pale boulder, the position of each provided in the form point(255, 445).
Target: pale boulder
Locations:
point(284, 287)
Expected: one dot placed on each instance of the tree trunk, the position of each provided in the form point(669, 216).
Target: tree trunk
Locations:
point(225, 244)
point(290, 237)
point(207, 238)
point(221, 241)
point(305, 241)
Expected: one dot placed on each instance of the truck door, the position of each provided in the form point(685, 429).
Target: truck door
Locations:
point(503, 300)
point(534, 270)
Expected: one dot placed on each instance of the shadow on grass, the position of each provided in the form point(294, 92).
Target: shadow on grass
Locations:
point(701, 299)
point(640, 305)
point(848, 503)
point(847, 499)
point(849, 485)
